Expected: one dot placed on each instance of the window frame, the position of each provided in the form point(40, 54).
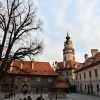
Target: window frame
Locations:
point(96, 73)
point(97, 88)
point(90, 76)
point(38, 79)
point(49, 79)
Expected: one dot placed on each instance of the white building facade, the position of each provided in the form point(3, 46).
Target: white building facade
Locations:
point(88, 76)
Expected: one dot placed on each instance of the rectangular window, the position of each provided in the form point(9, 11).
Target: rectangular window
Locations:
point(25, 78)
point(81, 88)
point(90, 74)
point(97, 88)
point(38, 79)
point(96, 74)
point(49, 79)
point(76, 77)
point(70, 73)
point(67, 72)
point(11, 85)
point(85, 87)
point(59, 73)
point(12, 79)
point(80, 76)
point(84, 76)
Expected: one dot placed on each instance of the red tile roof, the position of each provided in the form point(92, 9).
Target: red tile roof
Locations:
point(33, 68)
point(96, 58)
point(62, 85)
point(90, 62)
point(68, 64)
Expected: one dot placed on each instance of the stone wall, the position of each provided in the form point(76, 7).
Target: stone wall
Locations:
point(15, 82)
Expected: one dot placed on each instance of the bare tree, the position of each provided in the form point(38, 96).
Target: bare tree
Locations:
point(17, 24)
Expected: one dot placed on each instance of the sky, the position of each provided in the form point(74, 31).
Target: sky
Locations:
point(81, 18)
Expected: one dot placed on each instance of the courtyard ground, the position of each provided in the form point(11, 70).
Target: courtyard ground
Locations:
point(73, 96)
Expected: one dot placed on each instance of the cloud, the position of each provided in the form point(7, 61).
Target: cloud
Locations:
point(82, 17)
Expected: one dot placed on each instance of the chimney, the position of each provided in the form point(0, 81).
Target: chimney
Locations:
point(94, 52)
point(53, 65)
point(56, 63)
point(11, 68)
point(21, 66)
point(86, 56)
point(32, 63)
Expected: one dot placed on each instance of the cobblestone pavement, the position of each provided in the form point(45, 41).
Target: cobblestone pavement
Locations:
point(73, 96)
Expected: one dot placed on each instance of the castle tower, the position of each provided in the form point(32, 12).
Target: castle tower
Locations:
point(68, 51)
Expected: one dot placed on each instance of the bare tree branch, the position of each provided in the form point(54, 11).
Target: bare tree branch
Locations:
point(16, 24)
